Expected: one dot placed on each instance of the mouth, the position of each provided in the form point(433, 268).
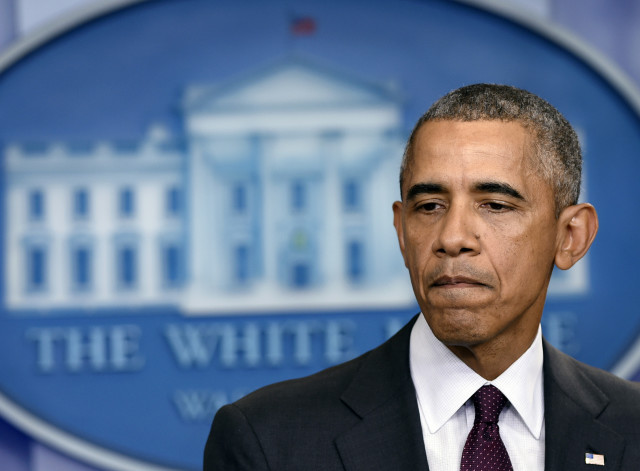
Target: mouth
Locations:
point(456, 282)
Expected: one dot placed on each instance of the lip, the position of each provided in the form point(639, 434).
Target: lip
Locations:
point(456, 282)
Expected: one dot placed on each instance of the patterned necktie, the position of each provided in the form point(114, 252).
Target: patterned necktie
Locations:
point(484, 449)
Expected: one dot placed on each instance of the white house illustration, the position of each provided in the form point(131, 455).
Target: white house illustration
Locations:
point(277, 197)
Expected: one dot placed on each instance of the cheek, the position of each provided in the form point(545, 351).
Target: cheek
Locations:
point(417, 243)
point(417, 258)
point(525, 259)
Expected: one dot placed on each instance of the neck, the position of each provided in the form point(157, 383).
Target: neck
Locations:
point(490, 360)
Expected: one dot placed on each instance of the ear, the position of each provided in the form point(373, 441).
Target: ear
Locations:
point(397, 222)
point(577, 227)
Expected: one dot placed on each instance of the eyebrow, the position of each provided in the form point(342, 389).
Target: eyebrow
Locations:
point(500, 188)
point(422, 188)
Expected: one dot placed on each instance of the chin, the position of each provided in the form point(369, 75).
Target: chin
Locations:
point(460, 329)
point(461, 338)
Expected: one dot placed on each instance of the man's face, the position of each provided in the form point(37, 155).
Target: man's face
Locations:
point(478, 232)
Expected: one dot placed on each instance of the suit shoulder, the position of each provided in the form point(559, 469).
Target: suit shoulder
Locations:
point(610, 383)
point(623, 396)
point(286, 423)
point(315, 409)
point(623, 391)
point(387, 363)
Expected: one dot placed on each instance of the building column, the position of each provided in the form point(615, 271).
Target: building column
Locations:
point(268, 217)
point(332, 250)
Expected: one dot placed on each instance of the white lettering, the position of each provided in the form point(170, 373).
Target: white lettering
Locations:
point(192, 346)
point(45, 352)
point(339, 341)
point(201, 406)
point(96, 349)
point(238, 340)
point(254, 344)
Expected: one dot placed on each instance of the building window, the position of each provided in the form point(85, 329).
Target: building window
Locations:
point(351, 196)
point(126, 202)
point(298, 196)
point(127, 266)
point(355, 261)
point(81, 267)
point(81, 203)
point(173, 201)
point(172, 264)
point(239, 198)
point(241, 264)
point(301, 275)
point(36, 268)
point(36, 205)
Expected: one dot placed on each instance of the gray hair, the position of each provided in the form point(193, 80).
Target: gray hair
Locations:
point(559, 158)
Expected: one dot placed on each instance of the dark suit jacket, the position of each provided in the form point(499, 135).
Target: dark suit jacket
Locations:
point(363, 416)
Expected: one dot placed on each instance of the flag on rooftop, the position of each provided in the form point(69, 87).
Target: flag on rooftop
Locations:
point(303, 26)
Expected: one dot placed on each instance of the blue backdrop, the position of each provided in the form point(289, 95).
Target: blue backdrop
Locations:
point(138, 363)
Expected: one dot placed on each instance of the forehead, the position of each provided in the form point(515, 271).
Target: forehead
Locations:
point(473, 150)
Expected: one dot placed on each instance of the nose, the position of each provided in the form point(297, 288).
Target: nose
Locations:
point(457, 233)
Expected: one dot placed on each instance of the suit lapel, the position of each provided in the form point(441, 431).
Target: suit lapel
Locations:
point(573, 404)
point(389, 435)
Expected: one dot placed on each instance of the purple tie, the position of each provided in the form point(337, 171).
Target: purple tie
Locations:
point(484, 449)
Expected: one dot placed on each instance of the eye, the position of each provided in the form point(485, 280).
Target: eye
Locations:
point(429, 206)
point(496, 206)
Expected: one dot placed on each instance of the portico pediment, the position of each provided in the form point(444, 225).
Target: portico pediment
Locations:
point(291, 83)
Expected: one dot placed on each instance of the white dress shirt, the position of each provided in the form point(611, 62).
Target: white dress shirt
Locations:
point(444, 386)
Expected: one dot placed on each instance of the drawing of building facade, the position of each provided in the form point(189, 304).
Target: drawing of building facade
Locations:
point(92, 225)
point(276, 197)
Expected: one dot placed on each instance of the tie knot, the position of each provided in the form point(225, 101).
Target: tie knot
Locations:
point(489, 402)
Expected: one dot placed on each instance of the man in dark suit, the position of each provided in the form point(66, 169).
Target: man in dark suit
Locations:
point(489, 183)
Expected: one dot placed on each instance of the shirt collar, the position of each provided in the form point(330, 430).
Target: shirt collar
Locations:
point(444, 383)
